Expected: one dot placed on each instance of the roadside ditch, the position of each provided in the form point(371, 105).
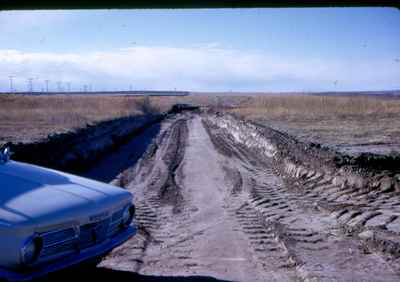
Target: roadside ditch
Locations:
point(77, 152)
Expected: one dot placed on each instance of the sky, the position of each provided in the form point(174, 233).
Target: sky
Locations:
point(304, 49)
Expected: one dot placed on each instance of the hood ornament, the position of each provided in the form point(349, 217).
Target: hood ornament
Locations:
point(5, 155)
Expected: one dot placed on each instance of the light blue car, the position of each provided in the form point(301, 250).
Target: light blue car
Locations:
point(50, 220)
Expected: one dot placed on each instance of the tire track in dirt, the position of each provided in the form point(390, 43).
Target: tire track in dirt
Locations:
point(206, 235)
point(221, 250)
point(313, 242)
point(158, 198)
point(210, 205)
point(368, 215)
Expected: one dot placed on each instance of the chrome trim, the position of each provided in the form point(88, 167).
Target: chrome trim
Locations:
point(95, 251)
point(75, 236)
point(99, 216)
point(5, 155)
point(85, 236)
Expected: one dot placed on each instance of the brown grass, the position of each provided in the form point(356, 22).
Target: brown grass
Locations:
point(347, 123)
point(329, 120)
point(26, 118)
point(315, 106)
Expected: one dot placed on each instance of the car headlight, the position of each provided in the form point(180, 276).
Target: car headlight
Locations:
point(31, 249)
point(127, 215)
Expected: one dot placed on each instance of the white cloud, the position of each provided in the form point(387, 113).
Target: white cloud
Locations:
point(208, 67)
point(19, 20)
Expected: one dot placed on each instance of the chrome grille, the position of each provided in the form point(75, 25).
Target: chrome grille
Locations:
point(58, 237)
point(93, 233)
point(60, 242)
point(58, 249)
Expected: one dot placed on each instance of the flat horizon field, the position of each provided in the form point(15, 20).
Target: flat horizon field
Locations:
point(349, 123)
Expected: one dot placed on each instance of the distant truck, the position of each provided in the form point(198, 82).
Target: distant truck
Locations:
point(178, 108)
point(50, 220)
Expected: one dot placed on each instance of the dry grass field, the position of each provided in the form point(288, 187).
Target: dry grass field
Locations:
point(26, 118)
point(351, 123)
point(29, 118)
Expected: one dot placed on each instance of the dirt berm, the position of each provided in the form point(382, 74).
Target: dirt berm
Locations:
point(361, 192)
point(78, 150)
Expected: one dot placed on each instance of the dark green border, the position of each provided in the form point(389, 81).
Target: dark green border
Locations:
point(173, 4)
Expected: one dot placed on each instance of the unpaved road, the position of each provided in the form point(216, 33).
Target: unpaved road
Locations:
point(209, 208)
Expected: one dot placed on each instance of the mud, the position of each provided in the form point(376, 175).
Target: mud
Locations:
point(224, 199)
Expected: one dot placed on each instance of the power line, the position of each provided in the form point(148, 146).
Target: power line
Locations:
point(47, 85)
point(11, 83)
point(30, 85)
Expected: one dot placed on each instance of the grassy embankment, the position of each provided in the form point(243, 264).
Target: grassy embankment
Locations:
point(26, 118)
point(328, 120)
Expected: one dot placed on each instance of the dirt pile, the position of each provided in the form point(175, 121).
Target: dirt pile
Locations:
point(76, 151)
point(305, 160)
point(362, 193)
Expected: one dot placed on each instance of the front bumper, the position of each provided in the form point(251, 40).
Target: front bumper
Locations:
point(92, 252)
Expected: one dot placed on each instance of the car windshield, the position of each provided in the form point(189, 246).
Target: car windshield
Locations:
point(261, 144)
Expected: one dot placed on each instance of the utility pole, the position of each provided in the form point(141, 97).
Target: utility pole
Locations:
point(59, 86)
point(47, 85)
point(69, 86)
point(30, 85)
point(85, 88)
point(11, 83)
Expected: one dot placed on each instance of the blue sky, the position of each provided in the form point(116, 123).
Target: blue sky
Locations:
point(204, 50)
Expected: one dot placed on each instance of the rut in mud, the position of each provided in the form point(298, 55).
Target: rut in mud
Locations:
point(212, 203)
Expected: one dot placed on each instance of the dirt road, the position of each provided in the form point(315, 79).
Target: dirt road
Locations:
point(209, 207)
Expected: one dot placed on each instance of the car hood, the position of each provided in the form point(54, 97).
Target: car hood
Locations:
point(38, 196)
